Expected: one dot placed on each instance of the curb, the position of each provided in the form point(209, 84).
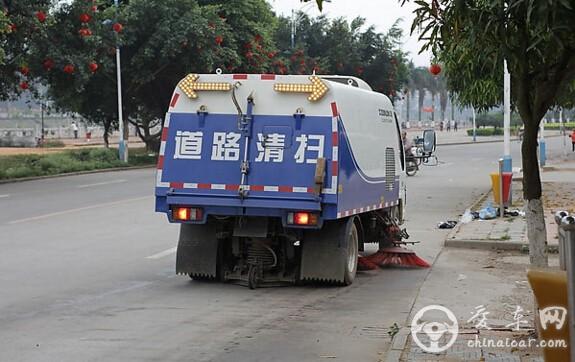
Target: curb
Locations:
point(480, 142)
point(486, 245)
point(471, 142)
point(78, 173)
point(398, 344)
point(495, 245)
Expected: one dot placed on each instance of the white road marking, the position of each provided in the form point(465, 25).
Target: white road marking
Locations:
point(101, 183)
point(162, 254)
point(70, 211)
point(4, 196)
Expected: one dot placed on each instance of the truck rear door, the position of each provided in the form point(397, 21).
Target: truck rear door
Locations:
point(231, 162)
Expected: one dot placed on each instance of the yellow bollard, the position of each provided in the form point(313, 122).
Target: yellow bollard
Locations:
point(550, 289)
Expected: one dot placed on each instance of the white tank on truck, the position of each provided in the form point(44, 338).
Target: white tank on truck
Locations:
point(278, 178)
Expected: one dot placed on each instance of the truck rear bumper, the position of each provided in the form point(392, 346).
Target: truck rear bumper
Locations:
point(253, 205)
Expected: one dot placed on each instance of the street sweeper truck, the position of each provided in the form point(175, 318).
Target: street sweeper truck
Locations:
point(279, 179)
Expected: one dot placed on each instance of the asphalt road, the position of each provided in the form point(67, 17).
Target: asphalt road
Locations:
point(87, 274)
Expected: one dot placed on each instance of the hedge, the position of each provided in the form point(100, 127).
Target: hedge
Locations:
point(557, 126)
point(486, 132)
point(19, 166)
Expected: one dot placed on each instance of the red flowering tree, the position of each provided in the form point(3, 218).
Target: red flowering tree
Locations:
point(160, 41)
point(22, 23)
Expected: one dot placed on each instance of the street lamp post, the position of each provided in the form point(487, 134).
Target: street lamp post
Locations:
point(474, 128)
point(295, 19)
point(123, 144)
point(507, 162)
point(42, 121)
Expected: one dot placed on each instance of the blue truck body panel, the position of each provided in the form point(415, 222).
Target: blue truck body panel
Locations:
point(201, 157)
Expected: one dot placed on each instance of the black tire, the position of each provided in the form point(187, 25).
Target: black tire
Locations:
point(351, 254)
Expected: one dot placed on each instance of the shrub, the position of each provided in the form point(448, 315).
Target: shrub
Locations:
point(557, 126)
point(53, 144)
point(486, 132)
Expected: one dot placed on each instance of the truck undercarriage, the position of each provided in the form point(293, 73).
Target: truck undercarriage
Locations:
point(257, 252)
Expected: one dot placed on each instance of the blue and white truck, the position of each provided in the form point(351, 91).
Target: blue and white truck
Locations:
point(278, 178)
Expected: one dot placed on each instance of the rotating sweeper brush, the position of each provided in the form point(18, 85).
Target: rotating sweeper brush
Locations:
point(396, 255)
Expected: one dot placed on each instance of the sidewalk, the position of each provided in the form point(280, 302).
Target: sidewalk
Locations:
point(482, 268)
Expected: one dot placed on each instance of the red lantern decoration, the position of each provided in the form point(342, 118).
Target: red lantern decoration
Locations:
point(13, 28)
point(48, 64)
point(85, 18)
point(41, 16)
point(93, 66)
point(24, 85)
point(219, 40)
point(117, 27)
point(85, 32)
point(24, 70)
point(271, 55)
point(94, 8)
point(258, 38)
point(69, 69)
point(435, 69)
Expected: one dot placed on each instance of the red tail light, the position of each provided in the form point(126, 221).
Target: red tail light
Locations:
point(187, 213)
point(302, 218)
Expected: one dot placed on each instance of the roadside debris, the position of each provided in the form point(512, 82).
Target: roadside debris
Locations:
point(488, 212)
point(449, 224)
point(466, 217)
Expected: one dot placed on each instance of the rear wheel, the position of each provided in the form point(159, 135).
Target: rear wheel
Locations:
point(352, 241)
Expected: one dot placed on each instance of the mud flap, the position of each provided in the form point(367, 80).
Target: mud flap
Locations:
point(324, 252)
point(197, 251)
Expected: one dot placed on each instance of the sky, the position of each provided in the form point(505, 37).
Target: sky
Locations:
point(381, 13)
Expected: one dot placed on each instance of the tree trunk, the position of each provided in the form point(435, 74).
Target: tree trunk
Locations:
point(407, 97)
point(107, 132)
point(420, 95)
point(433, 108)
point(534, 212)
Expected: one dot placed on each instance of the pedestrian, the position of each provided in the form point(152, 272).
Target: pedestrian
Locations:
point(441, 126)
point(448, 126)
point(573, 140)
point(75, 129)
point(406, 143)
point(455, 126)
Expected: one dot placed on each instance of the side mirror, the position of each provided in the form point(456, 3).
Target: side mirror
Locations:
point(429, 141)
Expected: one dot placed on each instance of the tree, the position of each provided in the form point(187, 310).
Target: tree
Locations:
point(161, 41)
point(537, 39)
point(346, 48)
point(4, 30)
point(22, 23)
